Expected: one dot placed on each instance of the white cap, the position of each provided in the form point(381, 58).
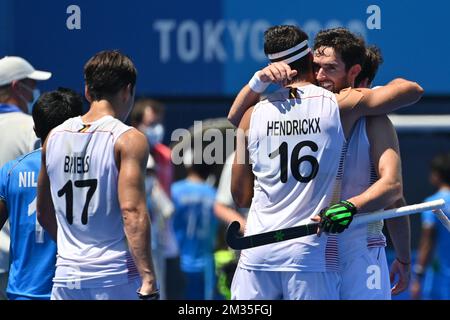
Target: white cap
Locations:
point(17, 68)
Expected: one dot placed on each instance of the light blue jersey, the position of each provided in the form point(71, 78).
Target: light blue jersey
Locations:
point(32, 251)
point(440, 289)
point(195, 229)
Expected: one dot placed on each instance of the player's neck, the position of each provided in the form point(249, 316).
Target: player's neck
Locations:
point(193, 177)
point(15, 101)
point(303, 80)
point(98, 110)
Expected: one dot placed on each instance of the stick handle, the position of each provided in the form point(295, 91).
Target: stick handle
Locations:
point(399, 212)
point(442, 218)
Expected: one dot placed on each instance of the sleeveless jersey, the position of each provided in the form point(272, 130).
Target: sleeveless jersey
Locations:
point(92, 248)
point(359, 175)
point(295, 143)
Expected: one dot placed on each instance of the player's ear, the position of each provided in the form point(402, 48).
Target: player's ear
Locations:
point(354, 72)
point(87, 95)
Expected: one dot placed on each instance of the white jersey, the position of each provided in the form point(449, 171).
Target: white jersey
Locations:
point(295, 147)
point(92, 248)
point(359, 175)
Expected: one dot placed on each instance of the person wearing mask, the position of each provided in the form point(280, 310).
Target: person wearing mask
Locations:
point(18, 92)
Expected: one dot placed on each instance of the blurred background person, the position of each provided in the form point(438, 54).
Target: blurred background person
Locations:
point(195, 228)
point(148, 116)
point(18, 92)
point(225, 207)
point(432, 267)
point(226, 211)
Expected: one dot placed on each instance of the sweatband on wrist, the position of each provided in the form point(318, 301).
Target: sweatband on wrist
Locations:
point(256, 84)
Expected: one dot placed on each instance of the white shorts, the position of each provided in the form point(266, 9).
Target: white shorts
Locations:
point(121, 292)
point(366, 277)
point(284, 285)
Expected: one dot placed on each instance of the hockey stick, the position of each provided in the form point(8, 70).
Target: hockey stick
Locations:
point(240, 243)
point(442, 218)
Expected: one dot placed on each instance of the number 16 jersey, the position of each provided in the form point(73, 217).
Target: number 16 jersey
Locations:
point(92, 249)
point(295, 143)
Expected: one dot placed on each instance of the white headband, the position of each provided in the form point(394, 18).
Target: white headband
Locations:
point(276, 57)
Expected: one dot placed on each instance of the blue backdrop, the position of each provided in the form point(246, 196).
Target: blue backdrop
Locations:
point(210, 48)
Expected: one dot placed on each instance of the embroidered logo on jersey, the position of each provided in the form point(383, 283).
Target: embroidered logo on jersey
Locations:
point(85, 128)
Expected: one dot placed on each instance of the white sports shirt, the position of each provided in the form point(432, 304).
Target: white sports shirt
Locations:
point(359, 175)
point(295, 146)
point(92, 248)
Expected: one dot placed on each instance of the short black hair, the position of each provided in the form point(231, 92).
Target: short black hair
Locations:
point(283, 37)
point(202, 169)
point(371, 64)
point(107, 72)
point(53, 108)
point(350, 47)
point(441, 166)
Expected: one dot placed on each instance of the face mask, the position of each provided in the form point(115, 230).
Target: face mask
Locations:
point(36, 94)
point(155, 134)
point(149, 184)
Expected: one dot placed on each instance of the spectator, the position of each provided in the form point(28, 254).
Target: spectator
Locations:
point(435, 241)
point(33, 252)
point(195, 229)
point(147, 116)
point(18, 92)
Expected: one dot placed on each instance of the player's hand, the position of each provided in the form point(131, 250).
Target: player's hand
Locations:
point(148, 291)
point(337, 217)
point(277, 72)
point(404, 275)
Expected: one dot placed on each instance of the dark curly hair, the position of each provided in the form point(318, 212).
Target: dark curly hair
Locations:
point(350, 47)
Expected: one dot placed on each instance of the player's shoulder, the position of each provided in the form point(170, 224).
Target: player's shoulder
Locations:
point(65, 125)
point(18, 116)
point(23, 160)
point(179, 187)
point(433, 197)
point(210, 191)
point(131, 136)
point(349, 98)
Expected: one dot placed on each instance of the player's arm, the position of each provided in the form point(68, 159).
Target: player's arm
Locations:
point(385, 155)
point(242, 175)
point(386, 190)
point(228, 215)
point(132, 154)
point(45, 209)
point(400, 233)
point(396, 94)
point(278, 72)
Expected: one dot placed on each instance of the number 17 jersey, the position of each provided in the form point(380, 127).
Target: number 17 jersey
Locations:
point(295, 144)
point(92, 249)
